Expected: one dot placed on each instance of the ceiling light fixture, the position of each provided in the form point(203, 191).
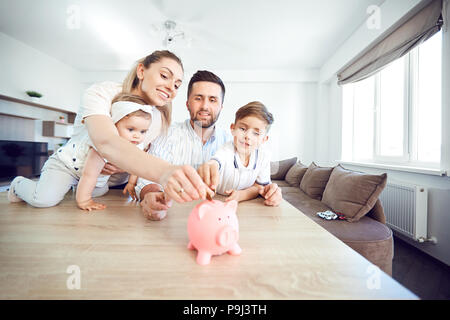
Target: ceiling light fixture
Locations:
point(171, 33)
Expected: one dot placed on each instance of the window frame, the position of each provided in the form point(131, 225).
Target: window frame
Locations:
point(410, 119)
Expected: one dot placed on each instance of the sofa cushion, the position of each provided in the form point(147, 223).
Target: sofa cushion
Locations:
point(289, 189)
point(353, 193)
point(315, 180)
point(281, 183)
point(295, 174)
point(278, 169)
point(304, 203)
point(370, 238)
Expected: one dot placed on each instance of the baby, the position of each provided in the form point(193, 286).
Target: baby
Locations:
point(244, 165)
point(78, 163)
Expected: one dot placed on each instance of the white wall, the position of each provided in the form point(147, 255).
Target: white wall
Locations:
point(25, 68)
point(292, 105)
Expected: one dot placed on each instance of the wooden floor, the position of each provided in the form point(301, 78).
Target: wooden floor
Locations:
point(425, 276)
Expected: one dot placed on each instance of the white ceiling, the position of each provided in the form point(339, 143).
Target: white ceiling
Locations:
point(232, 34)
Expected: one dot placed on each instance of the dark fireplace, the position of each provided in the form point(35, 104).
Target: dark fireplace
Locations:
point(21, 158)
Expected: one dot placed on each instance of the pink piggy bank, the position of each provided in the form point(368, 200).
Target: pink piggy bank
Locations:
point(213, 229)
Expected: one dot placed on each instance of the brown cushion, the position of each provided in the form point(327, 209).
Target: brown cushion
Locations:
point(295, 174)
point(315, 180)
point(353, 193)
point(278, 169)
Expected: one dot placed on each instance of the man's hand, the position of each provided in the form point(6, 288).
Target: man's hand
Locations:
point(155, 205)
point(110, 169)
point(272, 194)
point(209, 172)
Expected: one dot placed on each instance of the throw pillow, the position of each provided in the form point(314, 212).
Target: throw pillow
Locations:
point(353, 193)
point(295, 174)
point(278, 169)
point(315, 180)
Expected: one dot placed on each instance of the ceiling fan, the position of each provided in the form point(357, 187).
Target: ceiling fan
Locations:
point(171, 35)
point(181, 28)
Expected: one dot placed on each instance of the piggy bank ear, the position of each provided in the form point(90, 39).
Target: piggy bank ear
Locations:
point(231, 205)
point(203, 209)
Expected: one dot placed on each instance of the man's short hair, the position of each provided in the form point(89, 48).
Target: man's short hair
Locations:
point(255, 109)
point(203, 75)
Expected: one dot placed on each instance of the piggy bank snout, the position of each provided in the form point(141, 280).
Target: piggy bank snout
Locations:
point(226, 236)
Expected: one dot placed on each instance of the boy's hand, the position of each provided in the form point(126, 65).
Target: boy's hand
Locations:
point(232, 195)
point(90, 205)
point(130, 189)
point(209, 172)
point(272, 194)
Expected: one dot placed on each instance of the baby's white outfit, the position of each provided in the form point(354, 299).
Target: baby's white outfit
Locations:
point(234, 175)
point(74, 153)
point(64, 168)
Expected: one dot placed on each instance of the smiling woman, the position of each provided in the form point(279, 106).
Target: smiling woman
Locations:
point(155, 80)
point(152, 85)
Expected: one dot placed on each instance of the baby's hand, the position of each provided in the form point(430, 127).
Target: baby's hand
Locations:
point(232, 195)
point(90, 205)
point(130, 189)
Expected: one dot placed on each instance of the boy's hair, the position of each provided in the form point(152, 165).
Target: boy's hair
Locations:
point(203, 75)
point(255, 109)
point(139, 113)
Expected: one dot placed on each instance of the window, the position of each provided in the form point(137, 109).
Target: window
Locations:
point(394, 117)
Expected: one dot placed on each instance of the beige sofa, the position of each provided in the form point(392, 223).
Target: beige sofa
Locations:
point(354, 194)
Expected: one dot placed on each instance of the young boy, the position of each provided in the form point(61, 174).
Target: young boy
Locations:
point(243, 165)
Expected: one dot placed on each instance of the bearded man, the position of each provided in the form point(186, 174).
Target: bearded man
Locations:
point(192, 142)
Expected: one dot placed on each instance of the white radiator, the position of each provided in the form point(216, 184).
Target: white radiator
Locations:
point(406, 209)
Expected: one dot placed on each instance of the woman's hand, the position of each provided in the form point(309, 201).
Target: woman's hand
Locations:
point(272, 194)
point(183, 184)
point(110, 169)
point(130, 189)
point(90, 205)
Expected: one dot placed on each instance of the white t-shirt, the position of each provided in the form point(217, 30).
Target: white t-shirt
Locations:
point(74, 153)
point(97, 100)
point(234, 175)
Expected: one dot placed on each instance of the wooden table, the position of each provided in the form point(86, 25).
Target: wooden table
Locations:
point(122, 255)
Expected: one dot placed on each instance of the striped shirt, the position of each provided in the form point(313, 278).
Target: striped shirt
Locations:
point(182, 145)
